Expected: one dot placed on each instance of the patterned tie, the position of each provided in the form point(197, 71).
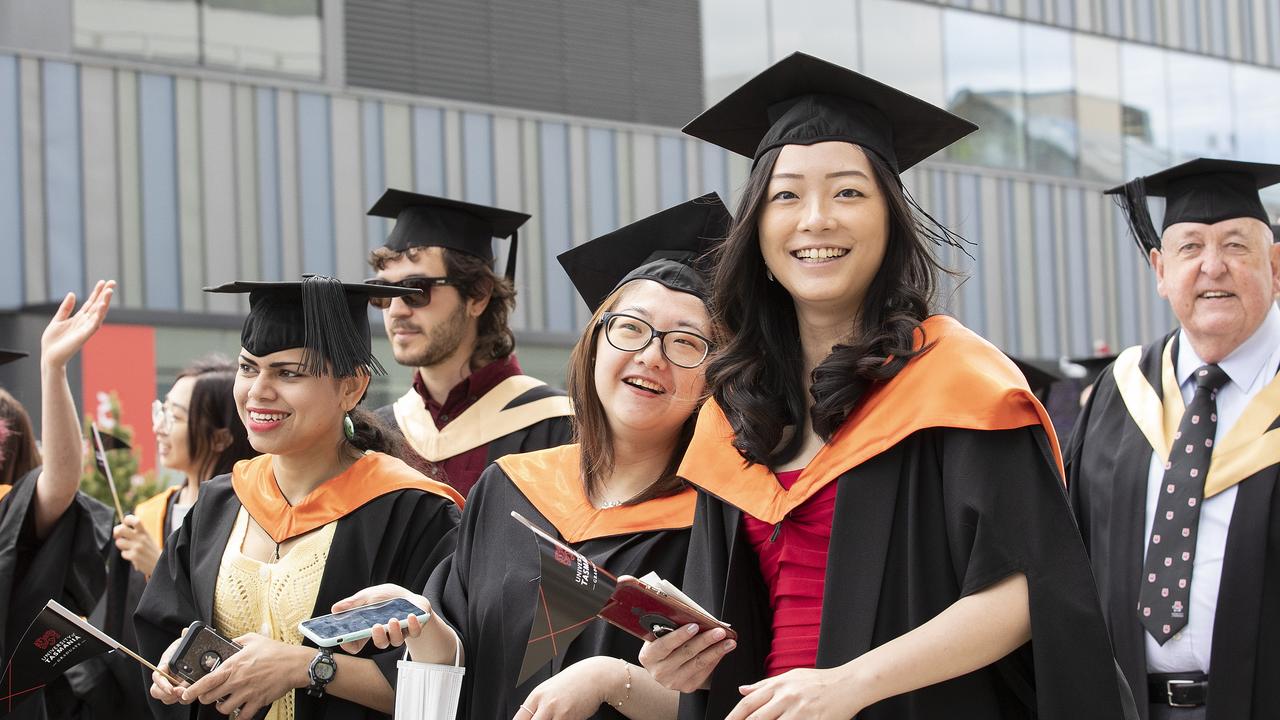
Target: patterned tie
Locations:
point(1164, 600)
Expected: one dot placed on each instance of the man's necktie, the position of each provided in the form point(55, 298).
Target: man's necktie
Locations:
point(1165, 599)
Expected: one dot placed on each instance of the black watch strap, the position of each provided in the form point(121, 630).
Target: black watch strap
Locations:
point(321, 671)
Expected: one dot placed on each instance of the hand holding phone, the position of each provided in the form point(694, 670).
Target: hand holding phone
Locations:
point(357, 623)
point(201, 651)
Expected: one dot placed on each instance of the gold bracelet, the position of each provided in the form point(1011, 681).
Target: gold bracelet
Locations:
point(626, 666)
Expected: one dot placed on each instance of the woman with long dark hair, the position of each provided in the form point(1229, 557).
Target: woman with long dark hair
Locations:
point(881, 512)
point(636, 379)
point(323, 512)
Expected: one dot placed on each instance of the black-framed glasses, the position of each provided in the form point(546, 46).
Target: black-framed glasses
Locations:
point(418, 300)
point(629, 333)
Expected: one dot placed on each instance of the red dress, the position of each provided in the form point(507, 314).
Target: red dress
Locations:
point(793, 561)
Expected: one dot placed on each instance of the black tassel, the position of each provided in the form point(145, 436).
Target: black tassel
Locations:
point(331, 335)
point(511, 256)
point(1134, 203)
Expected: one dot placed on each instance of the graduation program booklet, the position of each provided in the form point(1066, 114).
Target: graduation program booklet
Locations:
point(573, 591)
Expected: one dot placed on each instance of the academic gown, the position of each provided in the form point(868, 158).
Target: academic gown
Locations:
point(948, 481)
point(488, 590)
point(68, 566)
point(521, 414)
point(1107, 469)
point(393, 526)
point(114, 685)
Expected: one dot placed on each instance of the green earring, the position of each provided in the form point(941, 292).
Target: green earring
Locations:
point(348, 427)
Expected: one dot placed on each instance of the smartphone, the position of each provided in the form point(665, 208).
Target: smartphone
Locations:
point(357, 623)
point(201, 651)
point(648, 613)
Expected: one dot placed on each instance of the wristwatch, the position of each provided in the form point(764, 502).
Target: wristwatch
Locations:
point(322, 670)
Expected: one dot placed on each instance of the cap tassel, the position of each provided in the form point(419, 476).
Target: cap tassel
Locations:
point(511, 256)
point(1134, 203)
point(331, 334)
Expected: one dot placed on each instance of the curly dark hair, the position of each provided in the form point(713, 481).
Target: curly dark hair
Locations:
point(474, 279)
point(755, 376)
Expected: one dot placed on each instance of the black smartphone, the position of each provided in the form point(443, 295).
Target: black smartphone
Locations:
point(201, 651)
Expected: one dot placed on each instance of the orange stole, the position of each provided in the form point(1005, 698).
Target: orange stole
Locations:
point(551, 480)
point(153, 512)
point(962, 382)
point(370, 477)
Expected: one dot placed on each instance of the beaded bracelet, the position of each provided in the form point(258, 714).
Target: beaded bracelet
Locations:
point(626, 666)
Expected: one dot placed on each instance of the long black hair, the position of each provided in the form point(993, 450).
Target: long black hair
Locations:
point(756, 375)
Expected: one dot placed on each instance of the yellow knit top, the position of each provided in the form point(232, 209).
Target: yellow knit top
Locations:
point(270, 598)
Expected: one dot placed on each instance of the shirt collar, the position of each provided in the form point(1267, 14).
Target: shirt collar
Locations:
point(1245, 363)
point(471, 388)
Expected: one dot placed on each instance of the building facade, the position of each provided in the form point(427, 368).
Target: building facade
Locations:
point(174, 144)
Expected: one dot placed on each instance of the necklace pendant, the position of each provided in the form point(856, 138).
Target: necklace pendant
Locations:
point(610, 504)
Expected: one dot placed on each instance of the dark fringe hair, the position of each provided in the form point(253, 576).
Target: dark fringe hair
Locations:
point(213, 408)
point(474, 279)
point(591, 426)
point(18, 452)
point(756, 375)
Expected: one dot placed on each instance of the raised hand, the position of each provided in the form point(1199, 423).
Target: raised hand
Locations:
point(67, 332)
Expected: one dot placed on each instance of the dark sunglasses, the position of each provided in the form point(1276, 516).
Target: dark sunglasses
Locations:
point(418, 300)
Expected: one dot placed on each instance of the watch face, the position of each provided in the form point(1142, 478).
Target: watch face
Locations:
point(324, 671)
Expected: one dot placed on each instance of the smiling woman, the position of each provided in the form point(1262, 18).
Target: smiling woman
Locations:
point(321, 514)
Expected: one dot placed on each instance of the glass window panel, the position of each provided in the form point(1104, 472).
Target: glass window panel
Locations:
point(735, 44)
point(910, 61)
point(825, 28)
point(281, 36)
point(1052, 136)
point(1257, 105)
point(1200, 89)
point(984, 84)
point(163, 29)
point(1145, 112)
point(1098, 109)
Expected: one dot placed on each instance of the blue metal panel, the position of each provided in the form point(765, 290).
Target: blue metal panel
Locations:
point(969, 223)
point(557, 223)
point(1126, 267)
point(270, 247)
point(315, 184)
point(1081, 289)
point(375, 182)
point(11, 284)
point(1009, 251)
point(477, 156)
point(1045, 235)
point(428, 150)
point(64, 208)
point(671, 174)
point(161, 261)
point(602, 181)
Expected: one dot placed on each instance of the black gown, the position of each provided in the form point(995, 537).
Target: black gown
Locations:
point(1107, 468)
point(69, 565)
point(398, 537)
point(948, 481)
point(488, 589)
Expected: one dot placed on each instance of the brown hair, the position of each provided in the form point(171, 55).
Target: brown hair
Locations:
point(591, 426)
point(18, 453)
point(474, 279)
point(213, 408)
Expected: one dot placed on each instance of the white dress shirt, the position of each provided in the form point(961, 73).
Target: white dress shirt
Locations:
point(1250, 367)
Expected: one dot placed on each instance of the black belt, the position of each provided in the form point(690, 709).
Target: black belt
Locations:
point(1178, 689)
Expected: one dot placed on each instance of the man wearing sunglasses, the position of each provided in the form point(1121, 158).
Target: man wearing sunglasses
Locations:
point(470, 404)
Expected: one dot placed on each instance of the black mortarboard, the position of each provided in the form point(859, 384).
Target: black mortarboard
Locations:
point(426, 221)
point(802, 100)
point(664, 247)
point(1205, 190)
point(1092, 366)
point(8, 356)
point(1040, 374)
point(329, 319)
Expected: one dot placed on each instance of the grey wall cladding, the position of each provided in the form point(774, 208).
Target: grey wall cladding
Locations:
point(630, 60)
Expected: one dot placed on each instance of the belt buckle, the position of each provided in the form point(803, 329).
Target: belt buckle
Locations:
point(1169, 687)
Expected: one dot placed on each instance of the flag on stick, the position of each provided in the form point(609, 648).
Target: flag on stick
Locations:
point(102, 443)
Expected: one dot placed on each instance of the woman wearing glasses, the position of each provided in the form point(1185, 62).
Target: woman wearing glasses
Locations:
point(636, 379)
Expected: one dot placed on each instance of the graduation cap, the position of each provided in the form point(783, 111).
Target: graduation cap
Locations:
point(1204, 190)
point(663, 247)
point(1040, 374)
point(1091, 367)
point(427, 221)
point(8, 356)
point(328, 318)
point(802, 100)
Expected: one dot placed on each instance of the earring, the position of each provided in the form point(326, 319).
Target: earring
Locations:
point(348, 427)
point(768, 273)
